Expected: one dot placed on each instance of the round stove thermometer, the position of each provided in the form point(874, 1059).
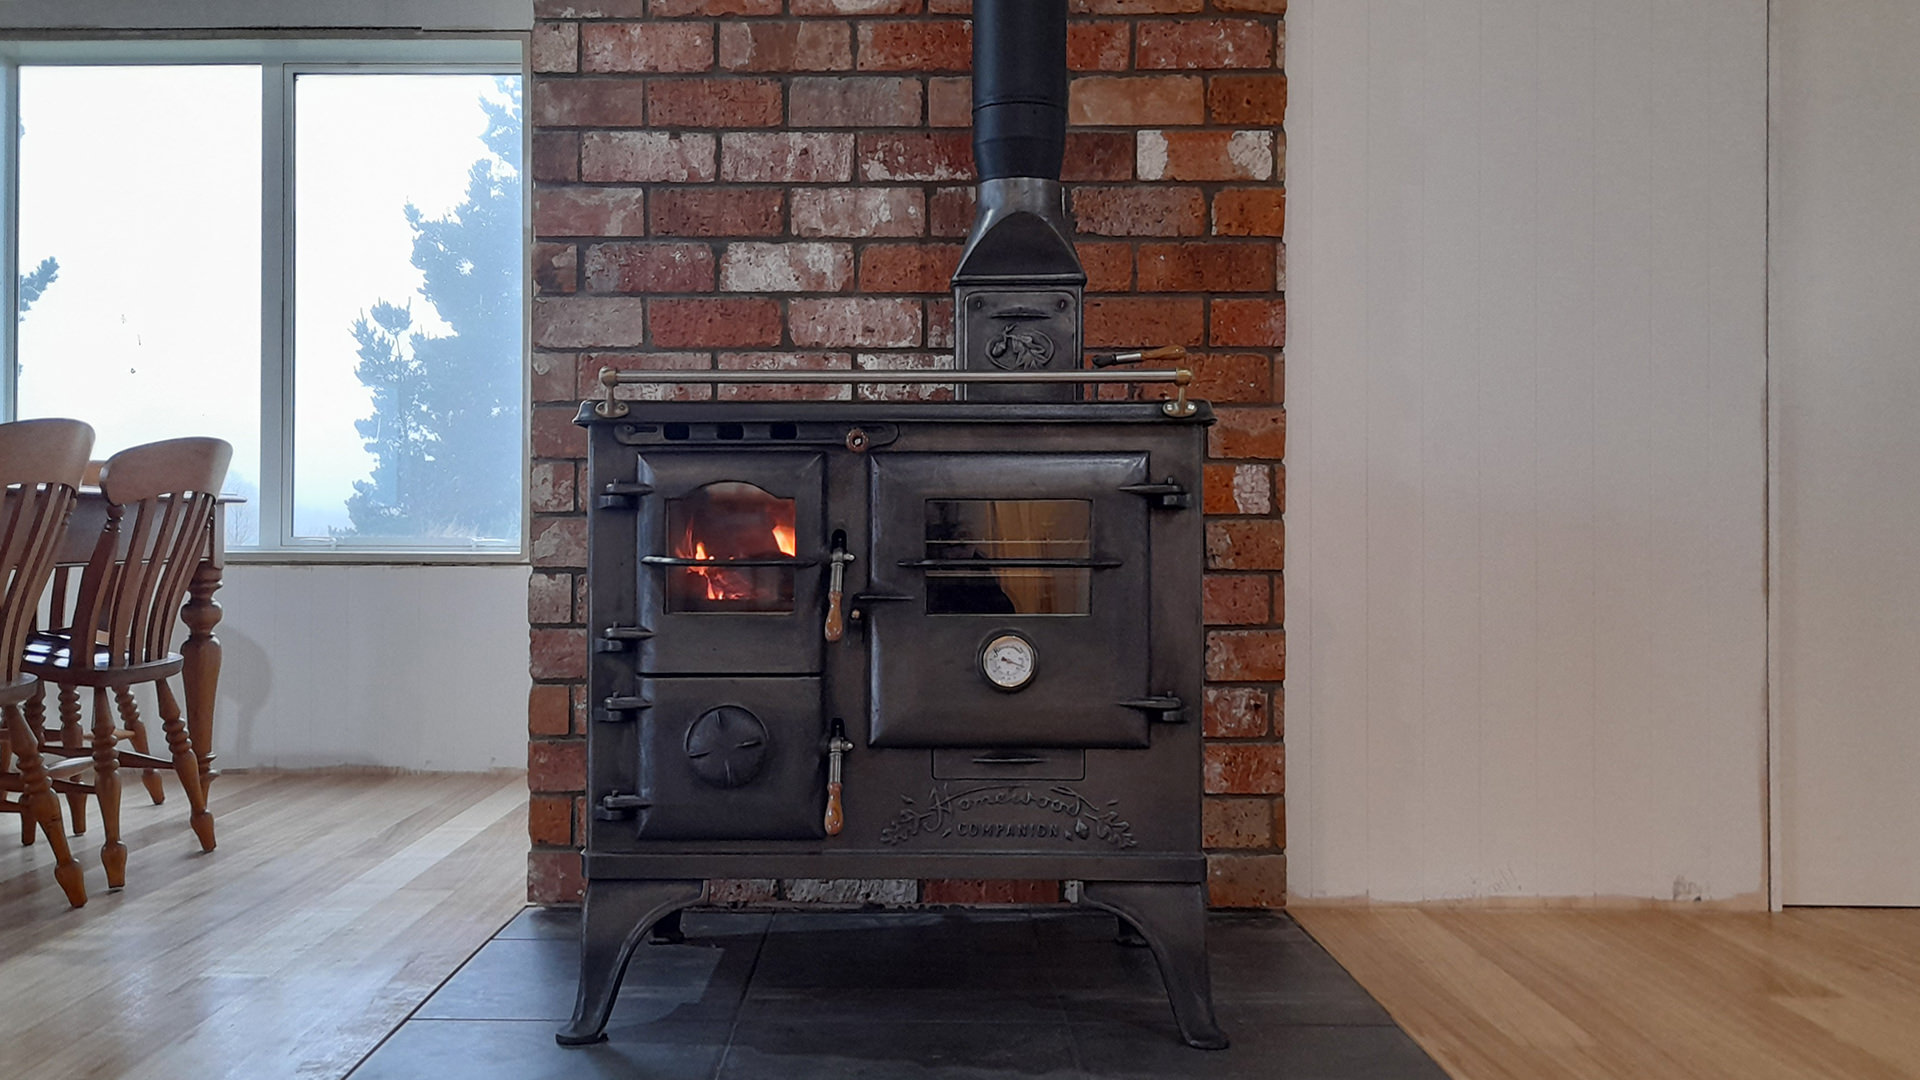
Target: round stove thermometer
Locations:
point(1008, 661)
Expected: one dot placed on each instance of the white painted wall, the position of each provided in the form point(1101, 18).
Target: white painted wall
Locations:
point(1526, 513)
point(1846, 397)
point(414, 667)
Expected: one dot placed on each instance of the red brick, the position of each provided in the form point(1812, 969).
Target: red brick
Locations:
point(1206, 267)
point(550, 487)
point(645, 268)
point(1245, 545)
point(560, 542)
point(1245, 769)
point(786, 46)
point(1247, 881)
point(1238, 489)
point(1235, 712)
point(1250, 100)
point(1225, 377)
point(950, 102)
point(1250, 212)
point(715, 103)
point(670, 47)
point(1272, 7)
point(1109, 266)
point(1098, 46)
point(575, 322)
point(556, 156)
point(927, 391)
point(553, 434)
point(667, 9)
point(714, 323)
point(843, 211)
point(591, 363)
point(550, 820)
point(679, 211)
point(1236, 600)
point(559, 654)
point(1248, 433)
point(1236, 823)
point(1129, 321)
point(1246, 655)
point(794, 157)
point(908, 268)
point(940, 324)
point(1131, 7)
point(789, 267)
point(1138, 101)
point(553, 377)
point(647, 156)
point(785, 361)
point(564, 211)
point(950, 212)
point(1139, 211)
point(577, 699)
point(548, 710)
point(950, 7)
point(549, 598)
point(1203, 44)
point(555, 877)
point(587, 103)
point(856, 321)
point(555, 47)
point(962, 891)
point(1206, 155)
point(931, 45)
point(854, 7)
point(940, 155)
point(555, 268)
point(1098, 155)
point(1249, 322)
point(1280, 823)
point(853, 101)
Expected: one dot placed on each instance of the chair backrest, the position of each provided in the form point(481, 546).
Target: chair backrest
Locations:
point(159, 501)
point(41, 463)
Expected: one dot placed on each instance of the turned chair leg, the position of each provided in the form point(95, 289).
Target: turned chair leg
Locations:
point(39, 806)
point(73, 738)
point(186, 765)
point(106, 788)
point(137, 734)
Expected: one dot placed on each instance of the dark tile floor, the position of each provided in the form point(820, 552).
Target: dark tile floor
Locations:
point(949, 994)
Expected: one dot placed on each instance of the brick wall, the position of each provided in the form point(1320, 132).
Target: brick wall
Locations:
point(785, 183)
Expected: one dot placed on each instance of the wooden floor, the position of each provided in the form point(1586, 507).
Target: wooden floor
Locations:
point(1649, 995)
point(334, 905)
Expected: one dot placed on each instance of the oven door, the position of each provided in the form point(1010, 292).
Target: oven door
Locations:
point(731, 554)
point(1007, 600)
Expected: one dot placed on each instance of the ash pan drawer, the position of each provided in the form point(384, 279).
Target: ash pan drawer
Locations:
point(1020, 764)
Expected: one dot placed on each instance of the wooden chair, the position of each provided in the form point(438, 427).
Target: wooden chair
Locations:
point(119, 633)
point(41, 463)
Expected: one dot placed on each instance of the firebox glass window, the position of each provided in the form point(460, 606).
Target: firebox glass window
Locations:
point(733, 545)
point(1014, 547)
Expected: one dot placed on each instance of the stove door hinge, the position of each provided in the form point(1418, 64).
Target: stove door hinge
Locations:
point(1162, 709)
point(614, 806)
point(618, 638)
point(619, 708)
point(620, 494)
point(1168, 495)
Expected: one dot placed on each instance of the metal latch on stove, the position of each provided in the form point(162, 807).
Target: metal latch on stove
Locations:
point(1170, 494)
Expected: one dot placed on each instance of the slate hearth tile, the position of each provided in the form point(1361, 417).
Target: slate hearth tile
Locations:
point(1153, 1051)
point(922, 951)
point(525, 1050)
point(537, 978)
point(926, 1006)
point(539, 922)
point(874, 1051)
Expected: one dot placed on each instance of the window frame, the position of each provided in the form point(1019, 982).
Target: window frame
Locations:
point(281, 60)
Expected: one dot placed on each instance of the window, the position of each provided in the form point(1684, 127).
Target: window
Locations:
point(313, 250)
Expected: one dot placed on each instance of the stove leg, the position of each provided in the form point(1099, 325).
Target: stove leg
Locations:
point(617, 917)
point(1173, 919)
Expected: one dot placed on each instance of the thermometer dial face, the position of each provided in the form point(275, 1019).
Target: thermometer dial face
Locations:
point(1008, 661)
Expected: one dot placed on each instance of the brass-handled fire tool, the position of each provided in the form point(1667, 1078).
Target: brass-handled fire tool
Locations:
point(837, 748)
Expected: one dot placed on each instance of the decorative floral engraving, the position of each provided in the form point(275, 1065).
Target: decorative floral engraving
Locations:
point(1080, 818)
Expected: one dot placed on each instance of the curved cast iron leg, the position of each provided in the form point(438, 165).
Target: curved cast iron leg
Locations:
point(616, 919)
point(1173, 919)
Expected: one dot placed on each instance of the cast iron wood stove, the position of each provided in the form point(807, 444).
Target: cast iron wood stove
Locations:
point(909, 640)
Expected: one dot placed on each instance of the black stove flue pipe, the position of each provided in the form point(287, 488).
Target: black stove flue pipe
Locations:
point(1019, 88)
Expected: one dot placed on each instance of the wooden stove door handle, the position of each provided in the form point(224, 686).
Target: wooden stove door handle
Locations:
point(836, 817)
point(836, 616)
point(837, 746)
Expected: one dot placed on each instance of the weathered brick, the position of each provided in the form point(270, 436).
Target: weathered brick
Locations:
point(553, 434)
point(554, 876)
point(785, 361)
point(950, 212)
point(558, 654)
point(843, 211)
point(669, 9)
point(1098, 155)
point(647, 268)
point(555, 47)
point(553, 376)
point(854, 7)
point(963, 891)
point(1238, 489)
point(855, 321)
point(646, 46)
point(1098, 46)
point(556, 156)
point(549, 598)
point(936, 155)
point(1132, 321)
point(714, 323)
point(1136, 101)
point(1138, 211)
point(739, 892)
point(714, 103)
point(927, 391)
point(1236, 823)
point(793, 157)
point(883, 891)
point(1236, 600)
point(572, 211)
point(1246, 655)
point(1208, 44)
point(908, 268)
point(550, 820)
point(555, 268)
point(1250, 212)
point(1235, 712)
point(1271, 7)
point(1247, 881)
point(647, 157)
point(550, 487)
point(1225, 377)
point(1206, 155)
point(549, 711)
point(576, 322)
point(922, 45)
point(786, 46)
point(587, 103)
point(940, 324)
point(1206, 267)
point(1248, 433)
point(1245, 769)
point(679, 211)
point(1131, 7)
point(949, 101)
point(559, 542)
point(803, 267)
point(1109, 266)
point(1250, 100)
point(853, 101)
point(1245, 545)
point(1249, 322)
point(557, 765)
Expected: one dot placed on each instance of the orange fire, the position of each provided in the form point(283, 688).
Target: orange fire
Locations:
point(783, 539)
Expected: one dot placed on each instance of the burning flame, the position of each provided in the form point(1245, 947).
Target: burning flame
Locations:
point(783, 539)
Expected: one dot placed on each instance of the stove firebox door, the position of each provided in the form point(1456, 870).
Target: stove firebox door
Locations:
point(1016, 602)
point(733, 549)
point(732, 759)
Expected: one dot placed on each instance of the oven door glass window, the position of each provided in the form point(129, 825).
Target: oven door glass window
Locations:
point(733, 551)
point(1009, 556)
